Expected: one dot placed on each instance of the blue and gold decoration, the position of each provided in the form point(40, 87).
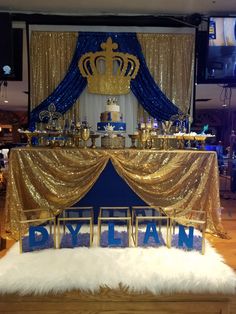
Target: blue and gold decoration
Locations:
point(50, 114)
point(117, 126)
point(143, 85)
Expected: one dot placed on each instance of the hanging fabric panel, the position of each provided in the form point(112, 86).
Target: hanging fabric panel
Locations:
point(143, 86)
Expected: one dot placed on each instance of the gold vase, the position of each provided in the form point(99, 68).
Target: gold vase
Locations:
point(144, 135)
point(85, 134)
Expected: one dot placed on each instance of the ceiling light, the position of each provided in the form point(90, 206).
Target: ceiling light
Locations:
point(6, 69)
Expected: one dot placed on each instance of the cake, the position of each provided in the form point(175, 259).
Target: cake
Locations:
point(111, 123)
point(111, 117)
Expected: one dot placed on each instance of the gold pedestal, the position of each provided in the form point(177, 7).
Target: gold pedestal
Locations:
point(133, 138)
point(93, 139)
point(117, 142)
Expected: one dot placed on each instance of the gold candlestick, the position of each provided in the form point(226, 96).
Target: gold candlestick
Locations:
point(29, 138)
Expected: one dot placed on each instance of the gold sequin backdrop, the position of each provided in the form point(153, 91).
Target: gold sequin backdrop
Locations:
point(50, 57)
point(169, 57)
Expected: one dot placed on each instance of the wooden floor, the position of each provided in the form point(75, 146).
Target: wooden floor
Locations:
point(110, 301)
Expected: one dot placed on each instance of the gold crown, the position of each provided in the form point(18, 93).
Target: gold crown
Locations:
point(108, 72)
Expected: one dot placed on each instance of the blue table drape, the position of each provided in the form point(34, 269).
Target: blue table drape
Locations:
point(110, 192)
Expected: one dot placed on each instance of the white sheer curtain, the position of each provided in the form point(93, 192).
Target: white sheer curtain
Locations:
point(91, 106)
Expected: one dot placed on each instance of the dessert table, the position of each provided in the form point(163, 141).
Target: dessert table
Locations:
point(61, 177)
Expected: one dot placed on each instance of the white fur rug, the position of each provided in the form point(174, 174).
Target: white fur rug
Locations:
point(157, 270)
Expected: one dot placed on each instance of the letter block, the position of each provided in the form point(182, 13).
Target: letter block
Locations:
point(192, 219)
point(74, 223)
point(151, 218)
point(34, 218)
point(108, 215)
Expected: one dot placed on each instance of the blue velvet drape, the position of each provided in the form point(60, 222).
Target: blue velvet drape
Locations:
point(143, 86)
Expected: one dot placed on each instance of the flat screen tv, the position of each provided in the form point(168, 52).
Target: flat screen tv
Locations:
point(221, 54)
point(12, 57)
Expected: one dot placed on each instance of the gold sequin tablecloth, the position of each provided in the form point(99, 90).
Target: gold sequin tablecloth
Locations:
point(58, 178)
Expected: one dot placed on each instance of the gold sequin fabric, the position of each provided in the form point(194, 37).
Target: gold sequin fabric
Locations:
point(58, 178)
